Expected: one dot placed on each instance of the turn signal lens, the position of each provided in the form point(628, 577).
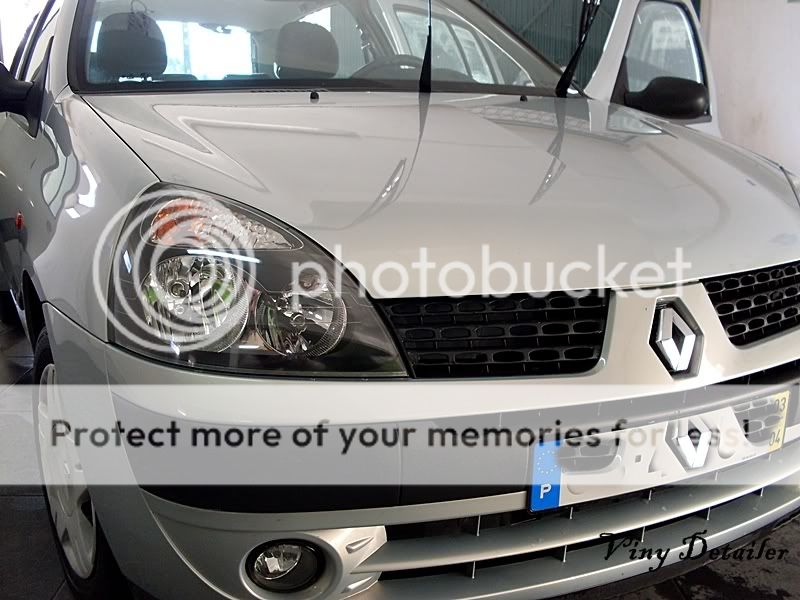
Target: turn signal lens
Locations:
point(194, 221)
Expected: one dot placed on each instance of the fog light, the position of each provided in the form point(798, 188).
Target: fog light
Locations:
point(284, 566)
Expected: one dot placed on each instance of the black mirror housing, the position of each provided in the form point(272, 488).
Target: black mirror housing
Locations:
point(672, 98)
point(13, 94)
point(25, 98)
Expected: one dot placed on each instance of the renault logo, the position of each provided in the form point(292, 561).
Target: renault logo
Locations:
point(691, 441)
point(674, 339)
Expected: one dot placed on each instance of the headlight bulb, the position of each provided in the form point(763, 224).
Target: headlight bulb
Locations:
point(306, 321)
point(196, 300)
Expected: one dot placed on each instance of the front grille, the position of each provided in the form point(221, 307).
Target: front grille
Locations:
point(785, 373)
point(495, 337)
point(756, 305)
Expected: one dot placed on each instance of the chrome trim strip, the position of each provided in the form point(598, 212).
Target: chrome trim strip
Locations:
point(394, 515)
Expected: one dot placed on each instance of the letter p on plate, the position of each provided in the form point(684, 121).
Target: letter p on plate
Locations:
point(544, 489)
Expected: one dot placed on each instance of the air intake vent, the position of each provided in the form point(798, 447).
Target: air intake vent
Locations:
point(756, 305)
point(487, 337)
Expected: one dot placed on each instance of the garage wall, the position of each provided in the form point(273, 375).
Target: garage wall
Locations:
point(755, 49)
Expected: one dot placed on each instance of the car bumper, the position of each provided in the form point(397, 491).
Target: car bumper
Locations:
point(550, 559)
point(173, 546)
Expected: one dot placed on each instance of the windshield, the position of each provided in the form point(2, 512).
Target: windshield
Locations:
point(287, 44)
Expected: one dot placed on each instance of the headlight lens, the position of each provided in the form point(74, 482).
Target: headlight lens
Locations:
point(202, 281)
point(794, 181)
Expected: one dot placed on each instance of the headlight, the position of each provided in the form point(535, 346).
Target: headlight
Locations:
point(794, 181)
point(203, 281)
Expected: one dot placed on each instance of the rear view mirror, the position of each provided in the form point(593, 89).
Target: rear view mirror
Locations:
point(13, 94)
point(671, 97)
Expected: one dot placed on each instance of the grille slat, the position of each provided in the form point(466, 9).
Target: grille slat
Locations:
point(496, 337)
point(756, 305)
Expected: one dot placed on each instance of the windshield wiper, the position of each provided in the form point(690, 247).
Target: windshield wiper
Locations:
point(588, 14)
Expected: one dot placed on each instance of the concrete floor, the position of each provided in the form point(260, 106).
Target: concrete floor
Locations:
point(29, 568)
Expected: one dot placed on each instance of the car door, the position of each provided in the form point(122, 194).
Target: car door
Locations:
point(21, 153)
point(13, 68)
point(649, 39)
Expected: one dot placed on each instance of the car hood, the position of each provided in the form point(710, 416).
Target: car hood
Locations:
point(544, 184)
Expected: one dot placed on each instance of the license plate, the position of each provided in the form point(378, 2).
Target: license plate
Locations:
point(778, 430)
point(766, 431)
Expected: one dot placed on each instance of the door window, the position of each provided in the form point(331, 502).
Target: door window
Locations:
point(446, 53)
point(478, 66)
point(662, 44)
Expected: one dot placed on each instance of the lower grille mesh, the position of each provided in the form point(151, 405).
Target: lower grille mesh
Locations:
point(495, 337)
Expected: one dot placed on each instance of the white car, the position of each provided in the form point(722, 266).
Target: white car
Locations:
point(183, 182)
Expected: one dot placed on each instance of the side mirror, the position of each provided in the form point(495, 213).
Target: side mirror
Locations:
point(13, 94)
point(671, 97)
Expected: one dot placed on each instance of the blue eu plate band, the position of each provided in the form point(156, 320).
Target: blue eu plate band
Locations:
point(545, 489)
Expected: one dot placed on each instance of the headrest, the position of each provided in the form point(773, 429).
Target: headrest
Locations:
point(306, 51)
point(131, 45)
